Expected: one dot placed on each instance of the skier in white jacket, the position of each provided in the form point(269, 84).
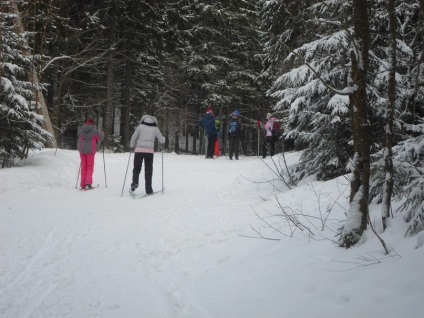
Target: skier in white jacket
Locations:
point(143, 143)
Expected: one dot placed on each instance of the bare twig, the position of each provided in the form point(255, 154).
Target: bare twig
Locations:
point(378, 236)
point(364, 261)
point(269, 225)
point(260, 235)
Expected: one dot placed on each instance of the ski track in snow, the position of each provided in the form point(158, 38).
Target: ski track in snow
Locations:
point(161, 245)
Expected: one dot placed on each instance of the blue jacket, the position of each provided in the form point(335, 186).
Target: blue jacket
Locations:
point(208, 124)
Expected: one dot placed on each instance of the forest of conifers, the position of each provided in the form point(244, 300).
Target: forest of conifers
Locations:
point(345, 77)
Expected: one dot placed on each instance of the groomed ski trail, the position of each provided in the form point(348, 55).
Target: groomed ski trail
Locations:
point(158, 241)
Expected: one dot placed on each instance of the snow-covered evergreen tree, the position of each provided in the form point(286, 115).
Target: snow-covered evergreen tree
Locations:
point(408, 112)
point(311, 73)
point(20, 124)
point(220, 56)
point(306, 54)
point(53, 39)
point(216, 50)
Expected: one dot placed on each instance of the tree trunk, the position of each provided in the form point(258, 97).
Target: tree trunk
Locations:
point(422, 6)
point(357, 216)
point(109, 109)
point(388, 154)
point(195, 134)
point(187, 140)
point(126, 110)
point(166, 127)
point(177, 142)
point(33, 77)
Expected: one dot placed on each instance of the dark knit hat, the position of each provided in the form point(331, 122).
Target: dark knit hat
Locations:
point(90, 121)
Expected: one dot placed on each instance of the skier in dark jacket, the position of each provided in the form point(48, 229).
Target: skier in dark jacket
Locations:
point(88, 138)
point(208, 124)
point(234, 127)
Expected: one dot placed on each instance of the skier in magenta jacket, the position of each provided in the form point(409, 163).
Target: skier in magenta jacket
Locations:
point(88, 138)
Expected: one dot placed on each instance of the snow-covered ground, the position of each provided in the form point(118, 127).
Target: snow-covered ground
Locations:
point(190, 252)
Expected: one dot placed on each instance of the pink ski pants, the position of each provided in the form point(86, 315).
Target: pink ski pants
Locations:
point(87, 167)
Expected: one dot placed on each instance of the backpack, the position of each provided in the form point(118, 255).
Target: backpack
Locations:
point(217, 125)
point(233, 127)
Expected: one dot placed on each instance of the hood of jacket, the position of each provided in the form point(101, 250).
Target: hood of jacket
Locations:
point(149, 120)
point(87, 128)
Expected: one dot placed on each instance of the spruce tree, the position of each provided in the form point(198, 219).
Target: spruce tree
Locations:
point(306, 56)
point(20, 124)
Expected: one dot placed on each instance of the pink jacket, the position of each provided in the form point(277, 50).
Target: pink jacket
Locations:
point(268, 126)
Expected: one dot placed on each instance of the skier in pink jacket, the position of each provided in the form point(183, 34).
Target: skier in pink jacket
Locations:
point(88, 138)
point(269, 141)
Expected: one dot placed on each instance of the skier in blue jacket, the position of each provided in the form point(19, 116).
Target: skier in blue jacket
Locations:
point(234, 127)
point(208, 124)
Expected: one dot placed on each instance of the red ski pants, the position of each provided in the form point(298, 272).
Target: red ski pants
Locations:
point(87, 167)
point(216, 151)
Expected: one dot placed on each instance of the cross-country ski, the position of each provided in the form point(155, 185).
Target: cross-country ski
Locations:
point(144, 195)
point(90, 188)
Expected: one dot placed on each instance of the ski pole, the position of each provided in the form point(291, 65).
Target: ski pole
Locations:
point(126, 174)
point(241, 147)
point(259, 140)
point(162, 168)
point(223, 146)
point(79, 171)
point(104, 164)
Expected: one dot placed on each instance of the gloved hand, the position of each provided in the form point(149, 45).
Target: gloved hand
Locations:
point(258, 123)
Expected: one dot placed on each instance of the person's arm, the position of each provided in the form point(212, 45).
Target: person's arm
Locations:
point(101, 135)
point(134, 138)
point(201, 122)
point(98, 136)
point(161, 139)
point(259, 124)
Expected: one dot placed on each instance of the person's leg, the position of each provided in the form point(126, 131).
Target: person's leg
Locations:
point(83, 170)
point(264, 146)
point(90, 169)
point(138, 161)
point(236, 146)
point(216, 148)
point(231, 148)
point(272, 146)
point(148, 172)
point(209, 149)
point(211, 146)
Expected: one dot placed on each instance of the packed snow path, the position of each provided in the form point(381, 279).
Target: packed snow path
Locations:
point(182, 254)
point(92, 253)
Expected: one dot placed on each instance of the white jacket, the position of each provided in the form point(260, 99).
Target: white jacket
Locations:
point(143, 139)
